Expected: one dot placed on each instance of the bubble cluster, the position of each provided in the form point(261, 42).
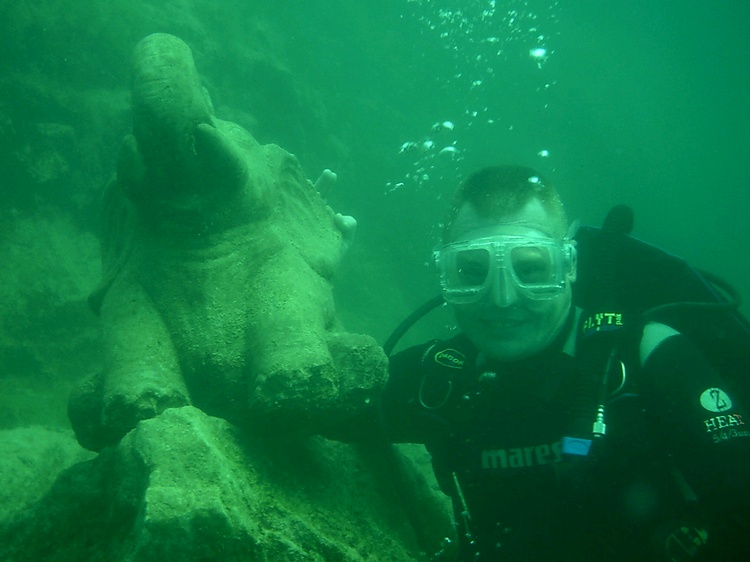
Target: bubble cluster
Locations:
point(429, 155)
point(486, 45)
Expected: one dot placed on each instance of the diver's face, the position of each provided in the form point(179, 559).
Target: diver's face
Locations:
point(506, 323)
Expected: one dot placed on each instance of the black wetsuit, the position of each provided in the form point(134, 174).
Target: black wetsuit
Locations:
point(672, 436)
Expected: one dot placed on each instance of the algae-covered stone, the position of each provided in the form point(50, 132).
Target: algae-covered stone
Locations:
point(187, 486)
point(30, 459)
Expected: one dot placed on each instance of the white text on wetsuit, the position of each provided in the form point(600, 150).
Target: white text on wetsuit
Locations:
point(725, 427)
point(721, 422)
point(521, 457)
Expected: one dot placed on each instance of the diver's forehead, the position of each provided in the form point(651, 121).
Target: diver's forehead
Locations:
point(531, 220)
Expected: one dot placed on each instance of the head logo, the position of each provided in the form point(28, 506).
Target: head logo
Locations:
point(715, 400)
point(450, 358)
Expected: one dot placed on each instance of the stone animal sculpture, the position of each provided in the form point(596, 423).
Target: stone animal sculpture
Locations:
point(217, 259)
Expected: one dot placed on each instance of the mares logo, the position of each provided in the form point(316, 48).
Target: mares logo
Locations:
point(715, 400)
point(450, 358)
point(522, 457)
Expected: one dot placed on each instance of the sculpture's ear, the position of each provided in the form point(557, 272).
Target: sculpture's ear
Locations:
point(116, 238)
point(207, 102)
point(300, 210)
point(131, 169)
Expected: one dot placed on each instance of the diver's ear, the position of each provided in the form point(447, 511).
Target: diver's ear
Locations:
point(571, 261)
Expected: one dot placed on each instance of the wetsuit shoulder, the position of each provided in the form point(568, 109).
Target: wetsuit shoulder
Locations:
point(705, 430)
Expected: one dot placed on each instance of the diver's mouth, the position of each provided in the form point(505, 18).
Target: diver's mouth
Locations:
point(503, 324)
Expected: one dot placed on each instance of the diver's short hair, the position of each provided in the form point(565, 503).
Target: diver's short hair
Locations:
point(497, 191)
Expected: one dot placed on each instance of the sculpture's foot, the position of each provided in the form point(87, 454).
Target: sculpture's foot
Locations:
point(146, 395)
point(315, 398)
point(101, 415)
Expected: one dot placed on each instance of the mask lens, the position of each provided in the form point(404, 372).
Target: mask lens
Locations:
point(533, 265)
point(465, 271)
point(538, 269)
point(472, 267)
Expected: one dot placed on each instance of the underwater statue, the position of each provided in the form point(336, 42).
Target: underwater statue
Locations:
point(218, 255)
point(223, 362)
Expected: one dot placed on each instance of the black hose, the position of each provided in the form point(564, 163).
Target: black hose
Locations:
point(410, 320)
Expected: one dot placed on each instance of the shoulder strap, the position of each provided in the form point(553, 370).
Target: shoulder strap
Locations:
point(600, 338)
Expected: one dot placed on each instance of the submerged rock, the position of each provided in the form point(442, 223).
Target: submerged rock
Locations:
point(187, 486)
point(30, 459)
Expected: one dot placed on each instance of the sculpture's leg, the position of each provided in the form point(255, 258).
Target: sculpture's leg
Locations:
point(143, 376)
point(288, 354)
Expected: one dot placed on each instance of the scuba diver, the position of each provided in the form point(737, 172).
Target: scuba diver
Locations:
point(563, 425)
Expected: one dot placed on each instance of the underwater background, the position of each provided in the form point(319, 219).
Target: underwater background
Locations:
point(643, 103)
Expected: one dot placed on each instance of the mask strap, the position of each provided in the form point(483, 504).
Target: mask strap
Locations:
point(573, 229)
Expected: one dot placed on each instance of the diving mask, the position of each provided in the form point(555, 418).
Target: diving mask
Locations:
point(535, 266)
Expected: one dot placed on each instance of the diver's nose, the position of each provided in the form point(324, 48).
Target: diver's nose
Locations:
point(504, 291)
